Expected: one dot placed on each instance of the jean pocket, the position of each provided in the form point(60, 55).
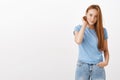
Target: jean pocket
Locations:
point(79, 64)
point(99, 66)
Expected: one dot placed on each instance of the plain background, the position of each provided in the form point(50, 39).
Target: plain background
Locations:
point(37, 42)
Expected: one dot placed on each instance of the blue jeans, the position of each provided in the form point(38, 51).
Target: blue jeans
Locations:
point(85, 71)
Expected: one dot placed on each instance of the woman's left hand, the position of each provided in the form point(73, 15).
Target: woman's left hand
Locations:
point(102, 64)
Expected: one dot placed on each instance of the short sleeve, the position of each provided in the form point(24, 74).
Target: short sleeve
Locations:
point(76, 28)
point(105, 34)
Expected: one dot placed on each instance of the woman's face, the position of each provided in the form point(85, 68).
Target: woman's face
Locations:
point(92, 16)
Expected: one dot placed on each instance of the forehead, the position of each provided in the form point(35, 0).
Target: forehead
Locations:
point(92, 11)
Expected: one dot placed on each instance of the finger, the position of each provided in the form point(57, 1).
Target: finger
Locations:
point(97, 64)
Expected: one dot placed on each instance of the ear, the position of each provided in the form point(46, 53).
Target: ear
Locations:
point(85, 18)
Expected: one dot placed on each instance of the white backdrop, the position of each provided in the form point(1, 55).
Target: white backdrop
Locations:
point(37, 42)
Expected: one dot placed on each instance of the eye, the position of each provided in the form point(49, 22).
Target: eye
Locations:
point(90, 14)
point(95, 16)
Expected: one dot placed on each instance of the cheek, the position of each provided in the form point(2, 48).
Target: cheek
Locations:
point(95, 20)
point(88, 18)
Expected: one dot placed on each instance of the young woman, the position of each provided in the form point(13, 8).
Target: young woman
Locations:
point(91, 38)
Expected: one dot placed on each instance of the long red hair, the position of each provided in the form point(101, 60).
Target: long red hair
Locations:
point(98, 26)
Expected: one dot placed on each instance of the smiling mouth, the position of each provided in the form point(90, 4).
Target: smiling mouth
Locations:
point(92, 22)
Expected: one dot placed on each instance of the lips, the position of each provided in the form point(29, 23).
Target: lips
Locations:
point(91, 22)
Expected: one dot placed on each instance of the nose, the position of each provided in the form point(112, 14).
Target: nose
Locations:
point(92, 19)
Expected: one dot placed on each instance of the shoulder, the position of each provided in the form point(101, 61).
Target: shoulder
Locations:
point(105, 33)
point(77, 27)
point(105, 30)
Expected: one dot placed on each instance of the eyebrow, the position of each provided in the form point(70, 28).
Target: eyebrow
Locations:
point(92, 14)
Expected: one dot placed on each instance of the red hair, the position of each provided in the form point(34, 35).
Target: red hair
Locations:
point(98, 26)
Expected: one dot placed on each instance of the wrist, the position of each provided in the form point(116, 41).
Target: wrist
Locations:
point(106, 63)
point(84, 25)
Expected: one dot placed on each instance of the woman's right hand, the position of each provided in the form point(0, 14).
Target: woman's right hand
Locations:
point(84, 20)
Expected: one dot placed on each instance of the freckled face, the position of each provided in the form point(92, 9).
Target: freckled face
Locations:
point(92, 16)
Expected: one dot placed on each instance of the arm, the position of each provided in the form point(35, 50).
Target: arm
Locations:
point(106, 55)
point(106, 52)
point(79, 35)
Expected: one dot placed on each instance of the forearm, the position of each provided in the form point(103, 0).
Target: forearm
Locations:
point(106, 56)
point(80, 35)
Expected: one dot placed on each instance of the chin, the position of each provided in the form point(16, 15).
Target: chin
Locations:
point(91, 24)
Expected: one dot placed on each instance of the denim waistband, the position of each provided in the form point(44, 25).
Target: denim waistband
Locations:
point(84, 63)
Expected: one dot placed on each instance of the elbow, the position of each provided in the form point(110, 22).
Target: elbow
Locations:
point(106, 50)
point(78, 41)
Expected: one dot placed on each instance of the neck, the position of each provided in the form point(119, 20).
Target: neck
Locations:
point(91, 26)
